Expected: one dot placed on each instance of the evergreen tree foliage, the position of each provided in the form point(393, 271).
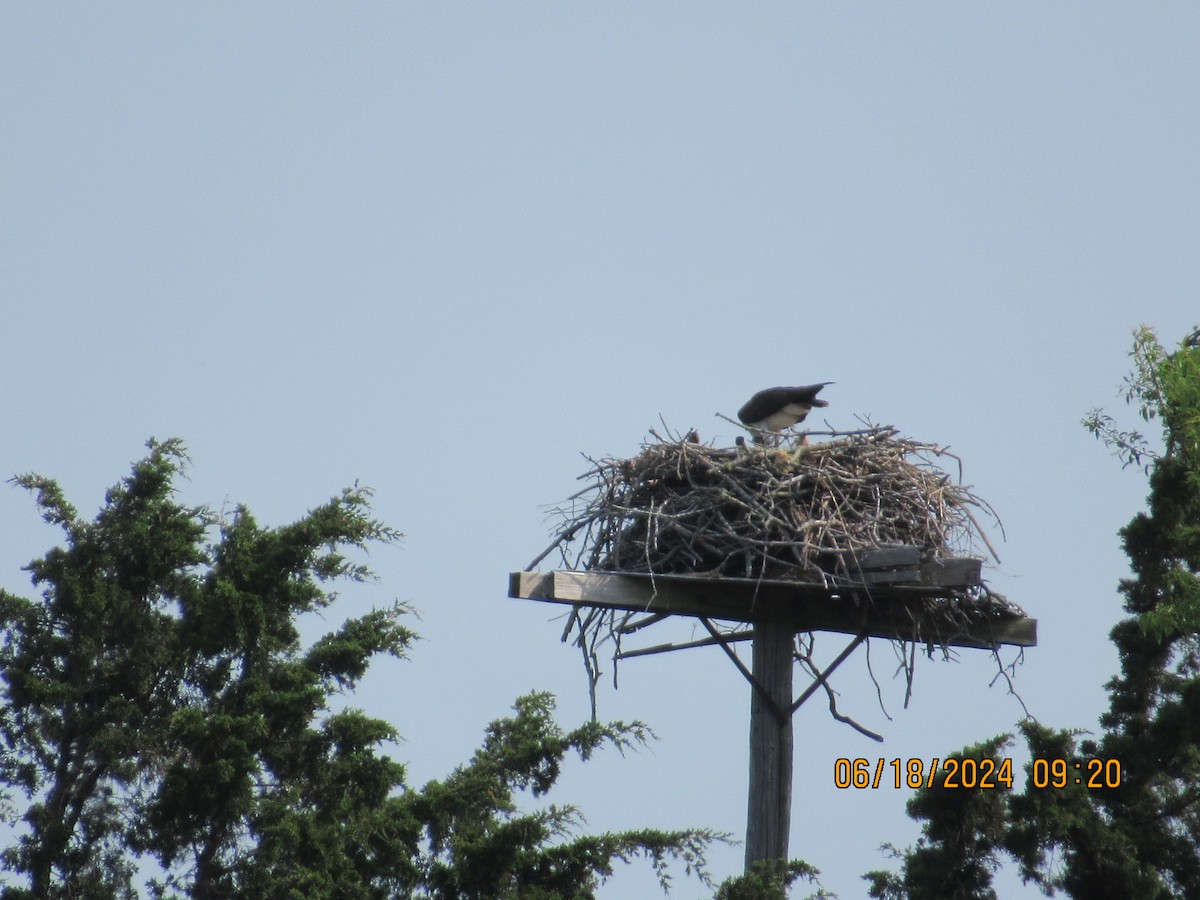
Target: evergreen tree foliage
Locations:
point(1141, 839)
point(476, 844)
point(160, 708)
point(956, 855)
point(770, 880)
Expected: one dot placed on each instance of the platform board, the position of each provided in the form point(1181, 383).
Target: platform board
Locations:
point(877, 610)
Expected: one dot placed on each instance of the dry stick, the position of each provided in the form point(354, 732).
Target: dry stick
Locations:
point(878, 687)
point(822, 678)
point(870, 431)
point(630, 628)
point(833, 710)
point(805, 657)
point(910, 666)
point(563, 536)
point(571, 620)
point(979, 530)
point(1000, 673)
point(593, 675)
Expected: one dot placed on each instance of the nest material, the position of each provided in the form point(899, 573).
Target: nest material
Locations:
point(799, 512)
point(804, 512)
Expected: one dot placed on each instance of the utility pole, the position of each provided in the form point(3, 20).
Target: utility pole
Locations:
point(769, 807)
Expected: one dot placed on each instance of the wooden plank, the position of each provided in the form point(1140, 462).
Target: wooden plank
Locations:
point(688, 645)
point(769, 800)
point(902, 564)
point(531, 585)
point(959, 571)
point(888, 576)
point(886, 557)
point(880, 611)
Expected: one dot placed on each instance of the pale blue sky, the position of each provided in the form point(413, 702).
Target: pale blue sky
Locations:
point(447, 248)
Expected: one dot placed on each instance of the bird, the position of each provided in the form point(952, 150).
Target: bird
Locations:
point(777, 408)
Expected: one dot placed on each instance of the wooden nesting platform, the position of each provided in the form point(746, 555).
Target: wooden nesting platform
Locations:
point(886, 591)
point(891, 601)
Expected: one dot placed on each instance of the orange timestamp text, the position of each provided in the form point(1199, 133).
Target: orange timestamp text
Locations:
point(968, 773)
point(975, 774)
point(1090, 773)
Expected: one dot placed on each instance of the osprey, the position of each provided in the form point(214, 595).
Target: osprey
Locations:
point(778, 408)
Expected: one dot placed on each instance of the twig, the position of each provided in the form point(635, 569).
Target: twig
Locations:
point(875, 681)
point(846, 720)
point(1001, 673)
point(982, 534)
point(560, 539)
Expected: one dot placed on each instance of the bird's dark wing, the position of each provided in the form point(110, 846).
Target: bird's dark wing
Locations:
point(767, 402)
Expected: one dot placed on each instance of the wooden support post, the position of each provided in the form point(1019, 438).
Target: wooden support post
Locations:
point(769, 810)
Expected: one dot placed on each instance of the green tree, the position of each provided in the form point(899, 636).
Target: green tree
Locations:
point(770, 880)
point(159, 705)
point(955, 857)
point(91, 671)
point(1143, 838)
point(476, 845)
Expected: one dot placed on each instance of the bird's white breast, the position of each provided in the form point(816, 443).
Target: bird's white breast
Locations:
point(785, 417)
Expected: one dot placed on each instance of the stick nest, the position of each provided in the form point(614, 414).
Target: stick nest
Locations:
point(798, 512)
